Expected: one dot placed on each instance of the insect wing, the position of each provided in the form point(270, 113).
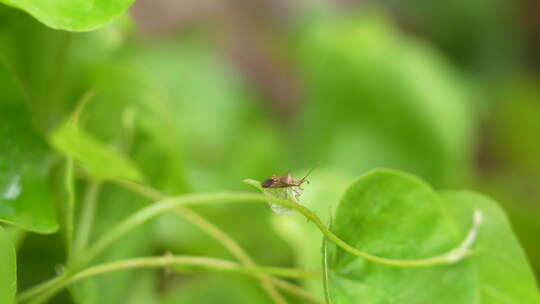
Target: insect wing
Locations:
point(286, 193)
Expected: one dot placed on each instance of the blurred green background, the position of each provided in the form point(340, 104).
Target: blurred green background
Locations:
point(217, 91)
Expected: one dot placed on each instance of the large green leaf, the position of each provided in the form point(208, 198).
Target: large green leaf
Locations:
point(53, 76)
point(25, 200)
point(482, 36)
point(502, 271)
point(214, 159)
point(72, 15)
point(8, 273)
point(387, 92)
point(101, 161)
point(395, 215)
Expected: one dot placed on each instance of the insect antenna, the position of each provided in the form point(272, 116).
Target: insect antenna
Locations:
point(309, 172)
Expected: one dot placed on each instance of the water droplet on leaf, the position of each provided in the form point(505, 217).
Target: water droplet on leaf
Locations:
point(13, 189)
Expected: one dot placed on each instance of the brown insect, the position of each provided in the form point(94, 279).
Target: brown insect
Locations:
point(287, 181)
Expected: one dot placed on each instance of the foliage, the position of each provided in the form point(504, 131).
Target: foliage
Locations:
point(73, 15)
point(8, 277)
point(401, 217)
point(25, 200)
point(134, 150)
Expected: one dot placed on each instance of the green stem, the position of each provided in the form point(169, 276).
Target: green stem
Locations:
point(206, 226)
point(45, 291)
point(76, 114)
point(87, 216)
point(140, 189)
point(205, 262)
point(69, 208)
point(213, 231)
point(295, 290)
point(165, 205)
point(40, 288)
point(233, 247)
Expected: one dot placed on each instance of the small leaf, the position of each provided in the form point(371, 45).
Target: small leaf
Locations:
point(8, 270)
point(72, 15)
point(395, 215)
point(25, 199)
point(101, 161)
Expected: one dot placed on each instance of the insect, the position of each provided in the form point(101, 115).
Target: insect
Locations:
point(286, 182)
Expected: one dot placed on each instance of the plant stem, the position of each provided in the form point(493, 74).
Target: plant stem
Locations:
point(44, 291)
point(88, 212)
point(295, 290)
point(69, 209)
point(233, 247)
point(172, 203)
point(165, 205)
point(40, 288)
point(205, 262)
point(143, 190)
point(76, 114)
point(215, 232)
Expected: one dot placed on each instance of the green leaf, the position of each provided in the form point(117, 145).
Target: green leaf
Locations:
point(388, 93)
point(73, 15)
point(25, 199)
point(209, 154)
point(101, 161)
point(395, 215)
point(54, 77)
point(8, 272)
point(502, 272)
point(132, 102)
point(325, 186)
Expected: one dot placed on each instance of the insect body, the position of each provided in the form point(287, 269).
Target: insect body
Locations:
point(286, 181)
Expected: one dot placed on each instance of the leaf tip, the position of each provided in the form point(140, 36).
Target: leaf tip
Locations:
point(253, 183)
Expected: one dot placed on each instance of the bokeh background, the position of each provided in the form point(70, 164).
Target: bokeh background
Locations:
point(212, 92)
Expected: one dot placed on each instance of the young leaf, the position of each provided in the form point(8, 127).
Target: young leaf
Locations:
point(72, 15)
point(395, 215)
point(8, 273)
point(25, 199)
point(100, 161)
